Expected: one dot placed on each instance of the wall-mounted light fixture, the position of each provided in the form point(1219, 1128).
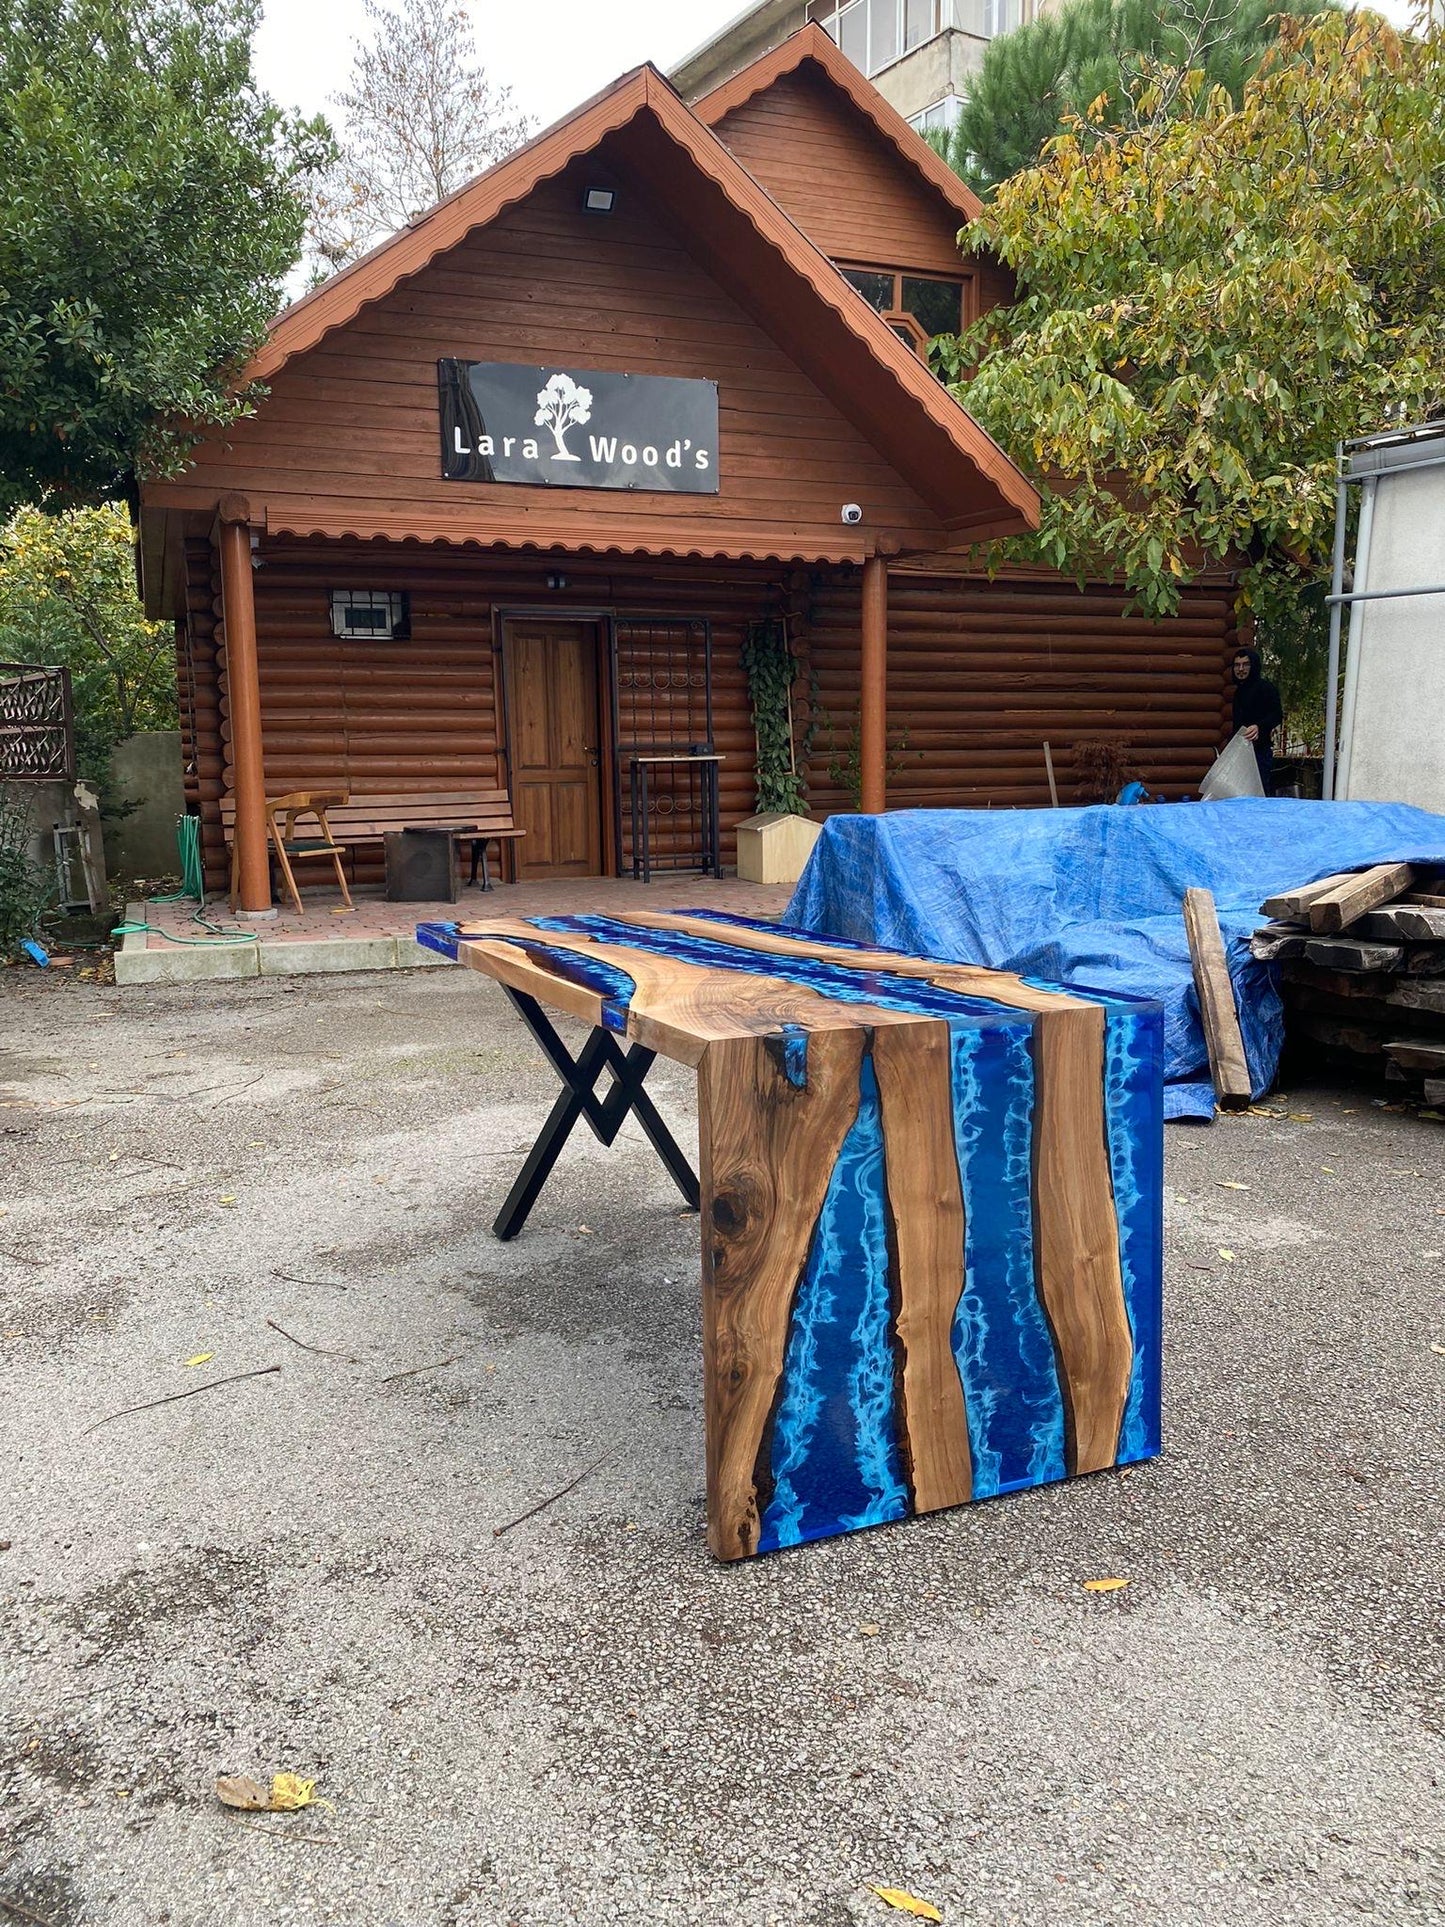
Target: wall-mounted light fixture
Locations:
point(598, 200)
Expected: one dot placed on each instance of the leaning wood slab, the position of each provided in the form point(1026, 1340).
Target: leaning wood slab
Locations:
point(931, 1209)
point(1222, 1035)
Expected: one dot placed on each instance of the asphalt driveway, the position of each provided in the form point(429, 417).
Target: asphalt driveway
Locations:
point(585, 1719)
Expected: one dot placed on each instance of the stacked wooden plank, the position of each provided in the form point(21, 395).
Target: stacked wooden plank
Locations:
point(1362, 969)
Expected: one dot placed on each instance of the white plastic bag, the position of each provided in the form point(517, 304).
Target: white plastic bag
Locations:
point(1234, 772)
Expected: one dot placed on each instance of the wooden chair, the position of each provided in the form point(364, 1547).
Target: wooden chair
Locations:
point(289, 846)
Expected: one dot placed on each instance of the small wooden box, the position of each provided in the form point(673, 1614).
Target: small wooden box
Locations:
point(775, 847)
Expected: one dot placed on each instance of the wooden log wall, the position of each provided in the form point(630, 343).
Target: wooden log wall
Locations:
point(423, 714)
point(981, 674)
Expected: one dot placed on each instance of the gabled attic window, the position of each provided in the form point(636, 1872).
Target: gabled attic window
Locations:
point(916, 306)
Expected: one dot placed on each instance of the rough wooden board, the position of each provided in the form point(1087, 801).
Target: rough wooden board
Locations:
point(925, 1197)
point(1277, 943)
point(1337, 909)
point(1328, 999)
point(1343, 953)
point(1403, 921)
point(1435, 1090)
point(1292, 905)
point(768, 1149)
point(1340, 1036)
point(1340, 983)
point(1417, 1053)
point(1080, 1280)
point(1418, 994)
point(1429, 899)
point(1222, 1034)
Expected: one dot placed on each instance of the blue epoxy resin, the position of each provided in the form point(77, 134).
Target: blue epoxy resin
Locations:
point(835, 1460)
point(1001, 1337)
point(836, 1453)
point(1133, 1107)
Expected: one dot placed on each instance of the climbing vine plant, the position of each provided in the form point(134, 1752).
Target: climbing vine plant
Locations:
point(772, 671)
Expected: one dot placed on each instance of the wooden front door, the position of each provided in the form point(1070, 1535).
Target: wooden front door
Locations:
point(555, 736)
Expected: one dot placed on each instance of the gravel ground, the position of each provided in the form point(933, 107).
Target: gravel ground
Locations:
point(586, 1720)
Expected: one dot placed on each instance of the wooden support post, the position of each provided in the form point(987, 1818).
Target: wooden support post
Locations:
point(243, 693)
point(873, 689)
point(1222, 1034)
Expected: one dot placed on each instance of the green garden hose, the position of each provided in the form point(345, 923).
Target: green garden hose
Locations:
point(193, 887)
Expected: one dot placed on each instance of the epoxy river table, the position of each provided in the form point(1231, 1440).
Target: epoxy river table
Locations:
point(931, 1202)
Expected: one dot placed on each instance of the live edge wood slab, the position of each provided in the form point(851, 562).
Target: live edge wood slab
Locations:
point(931, 1203)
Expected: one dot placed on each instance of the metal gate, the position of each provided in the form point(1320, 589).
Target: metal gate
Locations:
point(662, 704)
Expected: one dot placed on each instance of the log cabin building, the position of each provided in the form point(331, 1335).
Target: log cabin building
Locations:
point(521, 479)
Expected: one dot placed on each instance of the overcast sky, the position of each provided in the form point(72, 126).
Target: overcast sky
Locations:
point(552, 53)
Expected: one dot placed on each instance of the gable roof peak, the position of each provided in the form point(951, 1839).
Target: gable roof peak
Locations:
point(810, 47)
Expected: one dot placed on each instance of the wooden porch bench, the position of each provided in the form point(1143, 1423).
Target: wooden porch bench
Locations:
point(480, 817)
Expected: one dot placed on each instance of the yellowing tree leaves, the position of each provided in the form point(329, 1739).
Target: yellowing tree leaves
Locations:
point(1105, 1585)
point(1177, 386)
point(289, 1792)
point(906, 1903)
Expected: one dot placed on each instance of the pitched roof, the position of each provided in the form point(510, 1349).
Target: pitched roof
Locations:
point(811, 47)
point(748, 242)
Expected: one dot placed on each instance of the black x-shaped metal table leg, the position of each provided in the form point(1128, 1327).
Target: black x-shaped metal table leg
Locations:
point(578, 1099)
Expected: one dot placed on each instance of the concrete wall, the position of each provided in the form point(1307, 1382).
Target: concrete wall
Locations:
point(145, 771)
point(1395, 750)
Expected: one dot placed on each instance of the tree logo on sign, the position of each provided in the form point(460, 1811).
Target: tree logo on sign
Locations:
point(561, 405)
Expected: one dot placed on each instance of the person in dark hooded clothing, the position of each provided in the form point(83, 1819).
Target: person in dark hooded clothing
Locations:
point(1257, 710)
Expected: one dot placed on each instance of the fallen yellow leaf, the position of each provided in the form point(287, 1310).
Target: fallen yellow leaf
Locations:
point(226, 1200)
point(201, 1358)
point(1105, 1585)
point(289, 1792)
point(906, 1903)
point(1434, 1348)
point(1230, 1184)
point(869, 1630)
point(1227, 1256)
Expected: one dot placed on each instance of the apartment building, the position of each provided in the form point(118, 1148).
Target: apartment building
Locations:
point(919, 54)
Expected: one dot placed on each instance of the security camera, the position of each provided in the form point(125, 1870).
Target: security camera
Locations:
point(852, 513)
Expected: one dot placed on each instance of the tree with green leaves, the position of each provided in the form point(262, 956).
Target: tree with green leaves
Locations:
point(1208, 301)
point(1064, 64)
point(152, 202)
point(67, 597)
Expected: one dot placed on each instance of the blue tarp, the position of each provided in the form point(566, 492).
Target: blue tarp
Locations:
point(1094, 897)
